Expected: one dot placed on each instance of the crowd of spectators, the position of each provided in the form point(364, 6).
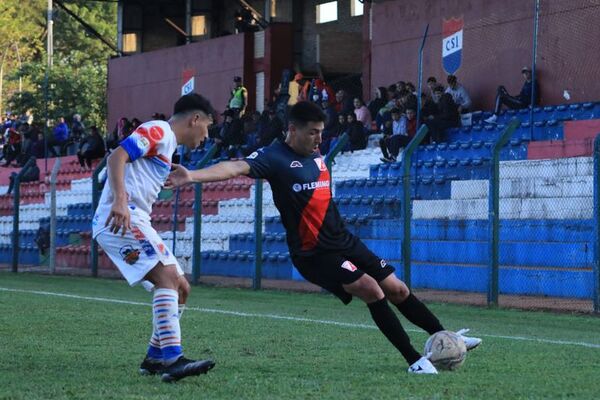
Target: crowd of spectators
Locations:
point(23, 139)
point(391, 113)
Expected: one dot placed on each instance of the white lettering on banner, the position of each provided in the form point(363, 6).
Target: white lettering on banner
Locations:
point(310, 186)
point(188, 87)
point(452, 44)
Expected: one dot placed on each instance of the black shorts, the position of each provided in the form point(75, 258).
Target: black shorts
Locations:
point(332, 269)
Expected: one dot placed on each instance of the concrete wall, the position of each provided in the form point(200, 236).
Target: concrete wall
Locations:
point(142, 84)
point(497, 43)
point(340, 45)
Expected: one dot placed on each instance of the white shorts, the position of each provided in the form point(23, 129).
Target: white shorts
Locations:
point(137, 252)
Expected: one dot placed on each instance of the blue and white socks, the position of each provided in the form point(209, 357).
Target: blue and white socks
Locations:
point(165, 343)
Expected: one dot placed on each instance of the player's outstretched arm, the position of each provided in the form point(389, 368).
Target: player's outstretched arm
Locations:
point(219, 172)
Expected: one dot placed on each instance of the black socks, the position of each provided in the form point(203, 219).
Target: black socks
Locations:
point(418, 313)
point(390, 326)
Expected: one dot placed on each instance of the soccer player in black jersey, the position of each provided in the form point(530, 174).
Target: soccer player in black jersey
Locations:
point(321, 247)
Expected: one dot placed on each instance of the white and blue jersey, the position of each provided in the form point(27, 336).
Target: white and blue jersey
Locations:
point(150, 148)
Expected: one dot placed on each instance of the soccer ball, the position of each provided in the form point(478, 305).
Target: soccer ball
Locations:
point(448, 350)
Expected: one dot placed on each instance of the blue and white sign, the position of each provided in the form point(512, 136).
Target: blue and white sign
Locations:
point(188, 87)
point(452, 44)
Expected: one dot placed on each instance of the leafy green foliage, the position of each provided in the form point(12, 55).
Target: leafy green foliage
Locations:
point(77, 81)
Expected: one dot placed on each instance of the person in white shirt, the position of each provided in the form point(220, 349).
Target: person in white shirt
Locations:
point(137, 171)
point(459, 94)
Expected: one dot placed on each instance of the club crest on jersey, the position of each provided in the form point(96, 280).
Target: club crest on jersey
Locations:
point(252, 156)
point(129, 254)
point(383, 263)
point(349, 266)
point(296, 164)
point(321, 164)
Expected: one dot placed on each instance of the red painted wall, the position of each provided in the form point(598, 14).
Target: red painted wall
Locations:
point(142, 84)
point(497, 43)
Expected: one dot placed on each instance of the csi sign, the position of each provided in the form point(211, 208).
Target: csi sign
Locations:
point(452, 44)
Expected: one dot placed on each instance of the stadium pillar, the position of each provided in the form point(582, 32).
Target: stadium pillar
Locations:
point(55, 169)
point(95, 201)
point(596, 286)
point(406, 201)
point(420, 74)
point(16, 203)
point(197, 239)
point(258, 220)
point(494, 213)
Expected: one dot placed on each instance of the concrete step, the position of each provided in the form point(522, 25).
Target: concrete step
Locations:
point(579, 186)
point(510, 208)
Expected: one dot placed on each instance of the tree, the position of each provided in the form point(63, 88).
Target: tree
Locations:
point(77, 81)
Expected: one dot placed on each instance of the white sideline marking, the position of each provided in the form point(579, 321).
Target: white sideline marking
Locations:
point(289, 318)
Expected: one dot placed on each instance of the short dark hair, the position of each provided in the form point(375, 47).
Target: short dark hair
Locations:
point(451, 79)
point(193, 102)
point(395, 111)
point(438, 88)
point(304, 112)
point(431, 79)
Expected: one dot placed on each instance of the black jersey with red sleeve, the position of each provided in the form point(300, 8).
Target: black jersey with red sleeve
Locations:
point(302, 194)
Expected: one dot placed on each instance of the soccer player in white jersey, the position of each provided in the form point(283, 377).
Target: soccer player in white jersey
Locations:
point(137, 170)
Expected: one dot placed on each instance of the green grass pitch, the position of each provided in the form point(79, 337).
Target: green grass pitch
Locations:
point(83, 338)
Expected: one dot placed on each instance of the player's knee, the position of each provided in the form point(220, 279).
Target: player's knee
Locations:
point(397, 293)
point(164, 276)
point(365, 288)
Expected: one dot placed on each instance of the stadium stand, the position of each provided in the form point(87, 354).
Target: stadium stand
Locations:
point(544, 167)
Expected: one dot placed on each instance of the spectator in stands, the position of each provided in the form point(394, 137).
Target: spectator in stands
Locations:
point(447, 115)
point(404, 127)
point(91, 148)
point(38, 149)
point(27, 134)
point(431, 84)
point(232, 134)
point(294, 89)
point(239, 98)
point(428, 107)
point(274, 129)
point(118, 134)
point(77, 129)
point(459, 94)
point(60, 138)
point(343, 103)
point(134, 125)
point(32, 174)
point(12, 148)
point(330, 129)
point(523, 100)
point(411, 88)
point(363, 115)
point(356, 132)
point(378, 102)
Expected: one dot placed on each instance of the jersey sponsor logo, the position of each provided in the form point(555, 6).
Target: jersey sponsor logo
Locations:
point(252, 156)
point(383, 263)
point(321, 164)
point(296, 164)
point(349, 266)
point(129, 254)
point(297, 187)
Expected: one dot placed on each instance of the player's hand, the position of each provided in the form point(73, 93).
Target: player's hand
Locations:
point(119, 218)
point(179, 176)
